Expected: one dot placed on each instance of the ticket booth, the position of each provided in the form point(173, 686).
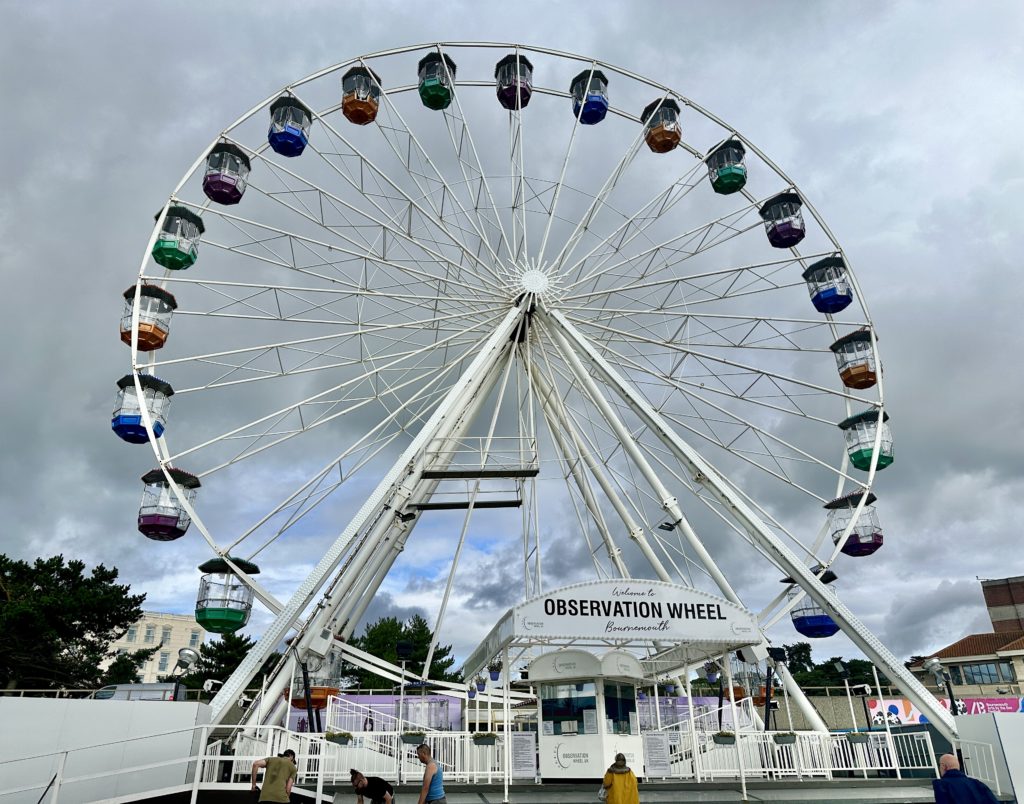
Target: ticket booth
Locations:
point(592, 646)
point(586, 712)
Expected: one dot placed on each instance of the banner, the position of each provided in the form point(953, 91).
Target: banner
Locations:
point(900, 711)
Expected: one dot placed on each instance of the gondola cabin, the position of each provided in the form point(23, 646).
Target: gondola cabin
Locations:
point(828, 285)
point(156, 306)
point(661, 125)
point(589, 92)
point(162, 517)
point(318, 697)
point(812, 621)
point(177, 243)
point(360, 95)
point(290, 121)
point(227, 171)
point(127, 419)
point(855, 358)
point(514, 78)
point(224, 602)
point(866, 535)
point(783, 220)
point(860, 431)
point(437, 76)
point(726, 169)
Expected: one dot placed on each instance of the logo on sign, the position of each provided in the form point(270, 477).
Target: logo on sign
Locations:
point(564, 666)
point(566, 759)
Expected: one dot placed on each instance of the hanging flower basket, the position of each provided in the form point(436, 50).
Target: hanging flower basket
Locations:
point(724, 738)
point(413, 737)
point(338, 737)
point(494, 674)
point(857, 737)
point(784, 738)
point(472, 692)
point(481, 683)
point(484, 738)
point(494, 670)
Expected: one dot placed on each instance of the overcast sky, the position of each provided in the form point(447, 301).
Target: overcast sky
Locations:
point(901, 121)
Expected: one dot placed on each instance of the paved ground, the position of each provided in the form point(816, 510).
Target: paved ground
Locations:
point(850, 791)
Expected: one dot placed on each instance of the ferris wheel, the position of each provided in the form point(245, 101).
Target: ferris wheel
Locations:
point(521, 289)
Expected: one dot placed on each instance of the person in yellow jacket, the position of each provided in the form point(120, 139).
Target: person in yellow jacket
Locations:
point(620, 782)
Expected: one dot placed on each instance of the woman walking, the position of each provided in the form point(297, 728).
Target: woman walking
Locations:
point(620, 782)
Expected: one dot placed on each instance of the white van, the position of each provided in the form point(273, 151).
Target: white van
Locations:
point(170, 691)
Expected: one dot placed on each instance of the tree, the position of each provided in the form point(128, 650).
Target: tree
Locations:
point(218, 660)
point(381, 639)
point(57, 622)
point(807, 673)
point(798, 657)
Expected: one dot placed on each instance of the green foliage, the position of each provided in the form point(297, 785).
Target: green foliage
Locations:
point(825, 674)
point(218, 660)
point(381, 638)
point(57, 622)
point(125, 667)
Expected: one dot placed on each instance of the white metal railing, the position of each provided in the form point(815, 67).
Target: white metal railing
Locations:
point(345, 715)
point(802, 755)
point(980, 762)
point(693, 755)
point(500, 453)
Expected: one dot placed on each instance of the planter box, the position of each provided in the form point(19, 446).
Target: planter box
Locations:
point(724, 739)
point(337, 740)
point(484, 740)
point(412, 739)
point(857, 737)
point(784, 739)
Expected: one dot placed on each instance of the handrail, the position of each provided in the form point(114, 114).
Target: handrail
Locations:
point(977, 767)
point(751, 754)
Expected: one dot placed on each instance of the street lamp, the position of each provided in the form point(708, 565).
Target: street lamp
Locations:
point(844, 674)
point(186, 658)
point(934, 666)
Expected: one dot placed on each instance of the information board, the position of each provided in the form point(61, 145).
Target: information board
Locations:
point(656, 762)
point(524, 755)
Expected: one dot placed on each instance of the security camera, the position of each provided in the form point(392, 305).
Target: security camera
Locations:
point(212, 685)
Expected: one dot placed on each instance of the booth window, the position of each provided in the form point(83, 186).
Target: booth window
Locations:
point(564, 705)
point(619, 705)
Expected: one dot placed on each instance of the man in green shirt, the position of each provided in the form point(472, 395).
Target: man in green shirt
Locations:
point(278, 779)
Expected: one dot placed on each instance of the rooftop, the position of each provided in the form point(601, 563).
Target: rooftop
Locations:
point(981, 645)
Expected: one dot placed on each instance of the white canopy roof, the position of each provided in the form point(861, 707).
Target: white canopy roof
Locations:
point(675, 625)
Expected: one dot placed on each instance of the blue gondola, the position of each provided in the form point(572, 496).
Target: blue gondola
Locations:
point(589, 92)
point(289, 126)
point(126, 421)
point(811, 620)
point(828, 285)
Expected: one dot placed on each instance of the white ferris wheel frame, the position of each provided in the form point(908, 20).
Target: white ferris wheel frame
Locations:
point(577, 351)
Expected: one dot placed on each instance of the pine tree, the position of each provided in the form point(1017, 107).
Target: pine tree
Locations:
point(57, 622)
point(381, 640)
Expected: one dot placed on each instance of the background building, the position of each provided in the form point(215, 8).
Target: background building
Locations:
point(1004, 599)
point(988, 663)
point(170, 631)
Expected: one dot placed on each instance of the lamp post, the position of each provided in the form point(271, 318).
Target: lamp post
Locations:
point(934, 666)
point(844, 674)
point(403, 651)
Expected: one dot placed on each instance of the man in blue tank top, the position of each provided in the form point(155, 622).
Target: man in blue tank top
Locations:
point(432, 791)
